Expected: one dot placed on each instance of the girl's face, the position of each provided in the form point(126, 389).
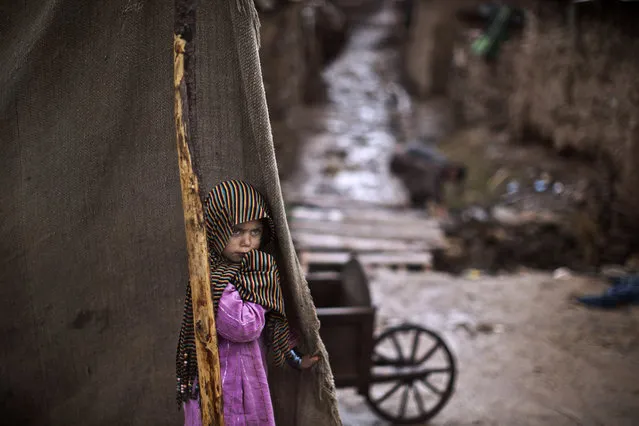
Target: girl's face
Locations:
point(246, 236)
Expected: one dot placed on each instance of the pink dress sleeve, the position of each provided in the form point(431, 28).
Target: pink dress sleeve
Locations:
point(237, 320)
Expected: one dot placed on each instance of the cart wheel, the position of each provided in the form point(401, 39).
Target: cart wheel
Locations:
point(413, 375)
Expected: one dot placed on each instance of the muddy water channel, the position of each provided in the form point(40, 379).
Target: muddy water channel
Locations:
point(349, 140)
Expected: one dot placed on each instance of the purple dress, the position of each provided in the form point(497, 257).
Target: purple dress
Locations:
point(247, 399)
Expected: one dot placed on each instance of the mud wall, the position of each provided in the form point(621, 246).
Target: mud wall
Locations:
point(284, 72)
point(429, 45)
point(576, 87)
point(566, 80)
point(298, 40)
point(480, 90)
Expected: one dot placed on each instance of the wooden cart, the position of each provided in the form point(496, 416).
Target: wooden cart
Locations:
point(406, 373)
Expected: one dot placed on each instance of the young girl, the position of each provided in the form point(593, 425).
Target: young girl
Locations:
point(248, 307)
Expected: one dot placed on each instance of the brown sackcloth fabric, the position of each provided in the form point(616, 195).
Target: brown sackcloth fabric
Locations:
point(92, 246)
point(234, 131)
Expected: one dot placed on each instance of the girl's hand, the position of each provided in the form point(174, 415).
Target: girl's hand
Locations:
point(308, 361)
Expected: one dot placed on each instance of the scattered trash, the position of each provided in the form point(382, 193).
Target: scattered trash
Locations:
point(475, 213)
point(540, 185)
point(502, 19)
point(498, 178)
point(487, 328)
point(467, 327)
point(558, 188)
point(562, 273)
point(472, 274)
point(624, 291)
point(480, 328)
point(506, 216)
point(611, 271)
point(512, 187)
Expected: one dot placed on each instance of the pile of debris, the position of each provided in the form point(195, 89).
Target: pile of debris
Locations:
point(503, 239)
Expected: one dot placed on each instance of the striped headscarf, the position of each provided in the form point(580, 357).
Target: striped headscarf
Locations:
point(256, 278)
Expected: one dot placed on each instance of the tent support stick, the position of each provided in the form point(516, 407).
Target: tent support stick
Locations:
point(208, 359)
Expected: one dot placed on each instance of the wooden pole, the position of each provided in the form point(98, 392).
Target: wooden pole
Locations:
point(208, 359)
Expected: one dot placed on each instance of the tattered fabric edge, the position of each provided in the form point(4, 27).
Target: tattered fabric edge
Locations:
point(248, 6)
point(322, 372)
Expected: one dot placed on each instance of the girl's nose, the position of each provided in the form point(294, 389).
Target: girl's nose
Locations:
point(245, 240)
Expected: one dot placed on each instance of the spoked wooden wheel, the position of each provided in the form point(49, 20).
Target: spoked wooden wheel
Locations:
point(413, 375)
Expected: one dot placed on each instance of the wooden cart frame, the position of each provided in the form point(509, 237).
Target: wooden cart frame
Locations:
point(395, 359)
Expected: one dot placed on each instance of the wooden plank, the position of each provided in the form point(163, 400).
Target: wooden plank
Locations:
point(345, 314)
point(294, 198)
point(379, 258)
point(407, 231)
point(323, 276)
point(422, 258)
point(208, 359)
point(304, 240)
point(375, 215)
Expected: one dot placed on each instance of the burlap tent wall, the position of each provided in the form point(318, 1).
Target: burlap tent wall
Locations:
point(233, 129)
point(92, 238)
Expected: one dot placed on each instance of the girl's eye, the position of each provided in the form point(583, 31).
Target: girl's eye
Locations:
point(256, 232)
point(236, 233)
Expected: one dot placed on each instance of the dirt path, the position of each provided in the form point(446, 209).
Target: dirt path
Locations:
point(526, 354)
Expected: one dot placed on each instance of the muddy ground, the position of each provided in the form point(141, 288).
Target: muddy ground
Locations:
point(527, 353)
